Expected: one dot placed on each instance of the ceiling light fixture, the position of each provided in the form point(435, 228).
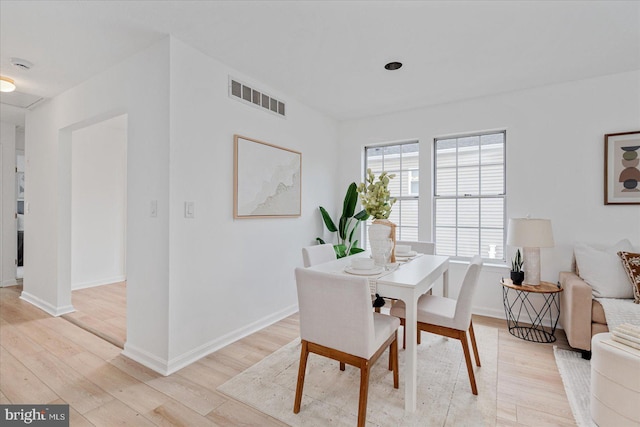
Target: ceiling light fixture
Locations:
point(7, 84)
point(393, 66)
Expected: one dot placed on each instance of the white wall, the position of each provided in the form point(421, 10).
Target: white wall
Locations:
point(98, 203)
point(193, 285)
point(555, 164)
point(8, 247)
point(230, 277)
point(136, 87)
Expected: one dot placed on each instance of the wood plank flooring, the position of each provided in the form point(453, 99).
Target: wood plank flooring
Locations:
point(102, 310)
point(50, 360)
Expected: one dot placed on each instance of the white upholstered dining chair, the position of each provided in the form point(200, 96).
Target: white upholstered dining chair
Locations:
point(346, 329)
point(316, 254)
point(418, 246)
point(448, 317)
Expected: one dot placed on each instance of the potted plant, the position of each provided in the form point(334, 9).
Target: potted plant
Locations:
point(347, 225)
point(517, 275)
point(377, 202)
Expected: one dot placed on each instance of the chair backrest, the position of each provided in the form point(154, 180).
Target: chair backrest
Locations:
point(464, 304)
point(420, 247)
point(317, 254)
point(335, 311)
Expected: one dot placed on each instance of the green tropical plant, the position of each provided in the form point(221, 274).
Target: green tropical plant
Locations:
point(516, 262)
point(347, 225)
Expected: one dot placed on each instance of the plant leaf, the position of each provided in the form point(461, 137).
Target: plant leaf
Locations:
point(342, 228)
point(327, 220)
point(319, 240)
point(362, 215)
point(350, 200)
point(356, 250)
point(340, 250)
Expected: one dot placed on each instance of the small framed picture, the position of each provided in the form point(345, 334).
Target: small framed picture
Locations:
point(622, 168)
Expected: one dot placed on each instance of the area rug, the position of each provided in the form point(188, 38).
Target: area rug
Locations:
point(330, 396)
point(576, 378)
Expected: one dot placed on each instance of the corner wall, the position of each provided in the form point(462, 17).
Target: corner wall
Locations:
point(555, 163)
point(137, 87)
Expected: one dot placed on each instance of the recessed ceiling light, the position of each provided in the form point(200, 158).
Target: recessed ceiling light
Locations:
point(7, 84)
point(393, 65)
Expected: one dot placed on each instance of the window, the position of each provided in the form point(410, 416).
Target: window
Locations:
point(470, 196)
point(403, 161)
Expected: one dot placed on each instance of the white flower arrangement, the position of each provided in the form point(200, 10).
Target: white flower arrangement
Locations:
point(375, 196)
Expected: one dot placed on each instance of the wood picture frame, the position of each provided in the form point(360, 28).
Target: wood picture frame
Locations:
point(622, 168)
point(267, 181)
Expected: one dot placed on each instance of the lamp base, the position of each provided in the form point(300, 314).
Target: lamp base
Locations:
point(531, 266)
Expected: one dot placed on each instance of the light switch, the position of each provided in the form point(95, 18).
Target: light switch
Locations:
point(154, 209)
point(189, 210)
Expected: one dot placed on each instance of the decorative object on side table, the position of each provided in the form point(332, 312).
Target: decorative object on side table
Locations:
point(621, 170)
point(348, 224)
point(377, 202)
point(517, 275)
point(530, 234)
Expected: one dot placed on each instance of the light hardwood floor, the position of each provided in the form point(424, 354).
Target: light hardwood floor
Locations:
point(102, 310)
point(50, 360)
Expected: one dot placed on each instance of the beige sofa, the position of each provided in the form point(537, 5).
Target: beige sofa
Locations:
point(581, 316)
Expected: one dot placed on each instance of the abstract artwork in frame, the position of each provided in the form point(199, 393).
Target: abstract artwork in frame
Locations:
point(622, 168)
point(267, 180)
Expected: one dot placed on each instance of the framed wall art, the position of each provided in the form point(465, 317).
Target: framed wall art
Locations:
point(267, 180)
point(622, 168)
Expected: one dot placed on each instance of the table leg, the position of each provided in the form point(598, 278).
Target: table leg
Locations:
point(445, 284)
point(411, 354)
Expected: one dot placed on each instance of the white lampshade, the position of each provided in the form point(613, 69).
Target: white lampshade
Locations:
point(530, 233)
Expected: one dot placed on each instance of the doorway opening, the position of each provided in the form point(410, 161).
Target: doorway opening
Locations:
point(98, 228)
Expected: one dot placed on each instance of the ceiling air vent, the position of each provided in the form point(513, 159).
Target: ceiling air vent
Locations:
point(254, 97)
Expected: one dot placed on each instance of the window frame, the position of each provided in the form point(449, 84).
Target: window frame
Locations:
point(478, 196)
point(408, 196)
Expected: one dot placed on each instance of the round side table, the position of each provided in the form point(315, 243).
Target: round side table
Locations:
point(523, 318)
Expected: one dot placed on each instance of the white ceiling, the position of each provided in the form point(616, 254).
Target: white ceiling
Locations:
point(330, 55)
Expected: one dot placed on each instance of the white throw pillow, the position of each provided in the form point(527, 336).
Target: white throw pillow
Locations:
point(603, 270)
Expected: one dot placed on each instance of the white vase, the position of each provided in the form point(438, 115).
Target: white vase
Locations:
point(380, 242)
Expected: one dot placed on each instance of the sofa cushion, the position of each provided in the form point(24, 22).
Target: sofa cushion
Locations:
point(603, 271)
point(597, 313)
point(631, 263)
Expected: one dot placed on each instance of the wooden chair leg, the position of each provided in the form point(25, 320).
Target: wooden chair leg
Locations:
point(404, 334)
point(304, 354)
point(473, 343)
point(364, 392)
point(418, 334)
point(467, 357)
point(393, 361)
point(342, 366)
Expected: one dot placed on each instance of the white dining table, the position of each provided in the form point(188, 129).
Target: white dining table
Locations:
point(407, 283)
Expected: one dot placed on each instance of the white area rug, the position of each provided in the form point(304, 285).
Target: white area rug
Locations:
point(576, 377)
point(330, 396)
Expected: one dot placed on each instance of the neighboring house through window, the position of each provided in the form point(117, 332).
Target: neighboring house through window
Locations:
point(470, 195)
point(403, 161)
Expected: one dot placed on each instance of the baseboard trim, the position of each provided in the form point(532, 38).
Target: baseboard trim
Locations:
point(101, 282)
point(166, 368)
point(7, 283)
point(45, 306)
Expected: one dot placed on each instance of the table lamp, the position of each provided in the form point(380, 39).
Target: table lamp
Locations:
point(530, 234)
